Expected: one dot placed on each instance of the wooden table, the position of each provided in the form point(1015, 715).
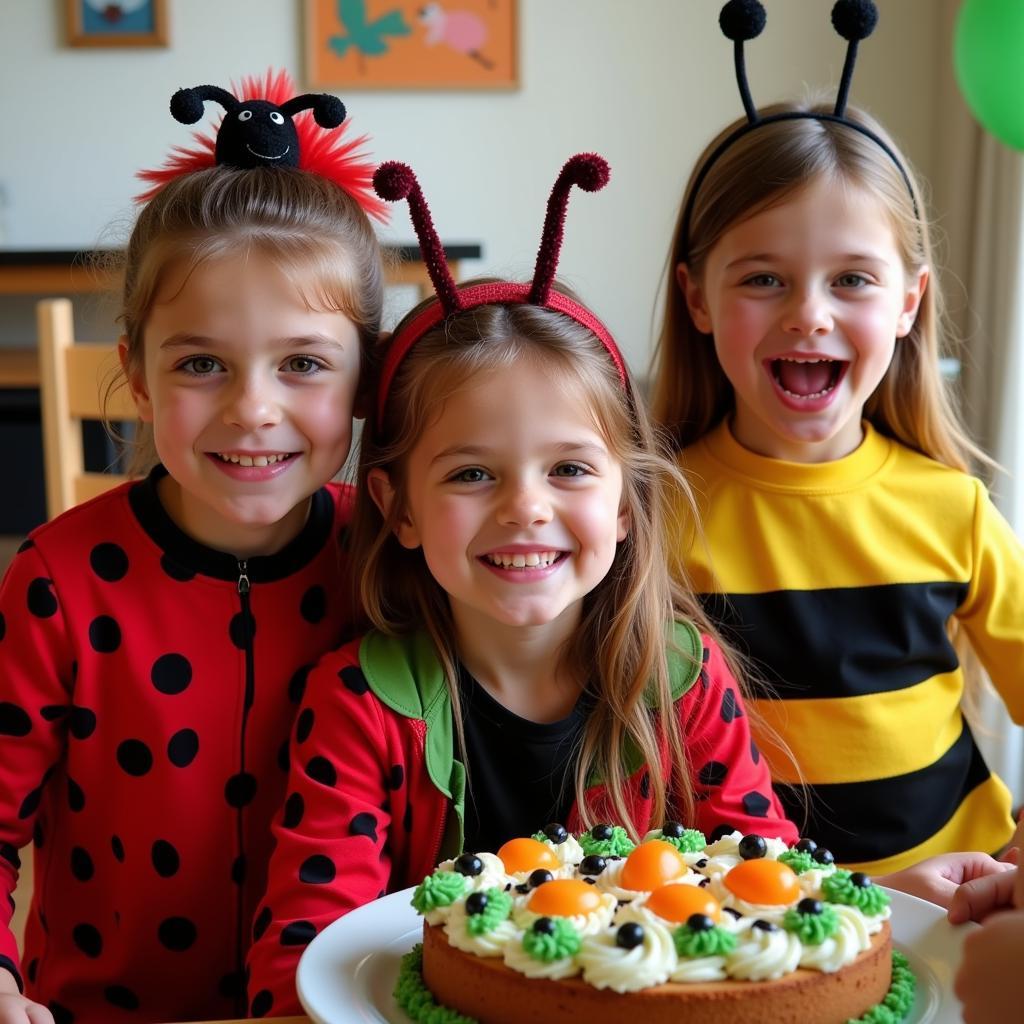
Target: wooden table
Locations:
point(276, 1020)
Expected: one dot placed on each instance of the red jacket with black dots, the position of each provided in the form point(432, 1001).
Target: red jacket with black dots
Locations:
point(147, 688)
point(373, 782)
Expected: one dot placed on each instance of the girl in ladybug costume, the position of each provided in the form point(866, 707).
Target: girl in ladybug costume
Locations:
point(532, 660)
point(155, 641)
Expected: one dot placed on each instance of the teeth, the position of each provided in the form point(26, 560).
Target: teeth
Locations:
point(787, 359)
point(816, 394)
point(252, 460)
point(534, 560)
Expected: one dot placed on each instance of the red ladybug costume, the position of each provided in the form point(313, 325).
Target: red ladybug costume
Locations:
point(147, 688)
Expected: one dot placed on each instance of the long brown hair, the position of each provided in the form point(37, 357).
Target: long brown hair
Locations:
point(623, 632)
point(765, 168)
point(315, 233)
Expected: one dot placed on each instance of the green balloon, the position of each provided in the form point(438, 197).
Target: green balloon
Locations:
point(988, 56)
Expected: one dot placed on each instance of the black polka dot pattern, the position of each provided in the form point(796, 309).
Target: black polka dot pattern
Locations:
point(30, 804)
point(76, 798)
point(319, 769)
point(81, 864)
point(755, 754)
point(176, 934)
point(241, 630)
point(304, 725)
point(104, 635)
point(756, 805)
point(314, 604)
point(713, 773)
point(33, 969)
point(175, 570)
point(42, 602)
point(297, 685)
point(117, 847)
point(363, 825)
point(730, 707)
point(134, 757)
point(166, 859)
point(407, 819)
point(10, 854)
point(61, 1014)
point(14, 721)
point(397, 777)
point(298, 933)
point(353, 679)
point(240, 789)
point(52, 712)
point(109, 562)
point(171, 673)
point(317, 870)
point(239, 867)
point(88, 939)
point(81, 723)
point(645, 786)
point(294, 808)
point(182, 748)
point(261, 923)
point(262, 1004)
point(121, 996)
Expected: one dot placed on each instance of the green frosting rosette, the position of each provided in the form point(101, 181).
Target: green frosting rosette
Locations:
point(691, 841)
point(441, 889)
point(868, 899)
point(561, 942)
point(798, 860)
point(618, 843)
point(413, 996)
point(499, 906)
point(811, 929)
point(898, 1000)
point(713, 942)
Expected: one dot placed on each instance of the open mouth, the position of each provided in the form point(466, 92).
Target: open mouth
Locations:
point(520, 560)
point(808, 378)
point(254, 460)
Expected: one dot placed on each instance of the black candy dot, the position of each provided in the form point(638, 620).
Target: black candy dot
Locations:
point(556, 833)
point(88, 939)
point(76, 796)
point(171, 673)
point(240, 789)
point(81, 722)
point(298, 933)
point(823, 856)
point(81, 864)
point(42, 602)
point(297, 684)
point(242, 629)
point(699, 923)
point(117, 847)
point(353, 679)
point(363, 825)
point(593, 864)
point(262, 1004)
point(860, 880)
point(765, 926)
point(397, 777)
point(601, 833)
point(809, 906)
point(165, 858)
point(629, 935)
point(713, 773)
point(730, 708)
point(539, 877)
point(544, 926)
point(134, 757)
point(182, 748)
point(672, 829)
point(468, 864)
point(122, 997)
point(176, 933)
point(314, 604)
point(757, 805)
point(14, 721)
point(104, 635)
point(109, 562)
point(319, 769)
point(752, 847)
point(806, 846)
point(294, 808)
point(476, 902)
point(317, 870)
point(304, 725)
point(175, 570)
point(261, 924)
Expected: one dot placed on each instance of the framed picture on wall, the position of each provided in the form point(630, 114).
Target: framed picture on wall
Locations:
point(411, 44)
point(123, 23)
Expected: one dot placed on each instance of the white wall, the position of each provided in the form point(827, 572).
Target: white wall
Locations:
point(645, 82)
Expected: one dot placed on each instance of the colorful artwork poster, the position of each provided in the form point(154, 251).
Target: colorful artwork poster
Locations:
point(110, 23)
point(409, 44)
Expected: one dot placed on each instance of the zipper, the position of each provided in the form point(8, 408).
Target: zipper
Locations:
point(243, 581)
point(244, 586)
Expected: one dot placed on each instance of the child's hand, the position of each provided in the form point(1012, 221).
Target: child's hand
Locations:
point(978, 898)
point(938, 879)
point(15, 1008)
point(992, 958)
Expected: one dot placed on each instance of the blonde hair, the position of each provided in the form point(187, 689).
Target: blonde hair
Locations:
point(625, 624)
point(765, 168)
point(316, 234)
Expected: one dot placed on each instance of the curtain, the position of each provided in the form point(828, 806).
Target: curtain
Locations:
point(978, 201)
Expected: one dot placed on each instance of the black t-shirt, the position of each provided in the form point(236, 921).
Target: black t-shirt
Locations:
point(520, 772)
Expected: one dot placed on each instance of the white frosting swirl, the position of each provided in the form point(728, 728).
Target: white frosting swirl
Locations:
point(851, 939)
point(493, 875)
point(518, 959)
point(586, 924)
point(810, 881)
point(570, 852)
point(764, 955)
point(766, 912)
point(491, 943)
point(607, 965)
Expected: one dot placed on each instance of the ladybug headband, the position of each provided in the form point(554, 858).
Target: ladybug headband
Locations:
point(741, 20)
point(395, 181)
point(267, 126)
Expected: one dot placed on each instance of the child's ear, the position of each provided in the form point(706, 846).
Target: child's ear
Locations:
point(378, 483)
point(916, 287)
point(136, 382)
point(694, 295)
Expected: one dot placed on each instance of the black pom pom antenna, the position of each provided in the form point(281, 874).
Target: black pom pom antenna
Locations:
point(744, 20)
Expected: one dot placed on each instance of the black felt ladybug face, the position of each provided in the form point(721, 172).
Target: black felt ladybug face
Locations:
point(257, 134)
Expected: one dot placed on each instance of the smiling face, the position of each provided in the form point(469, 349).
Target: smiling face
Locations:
point(514, 497)
point(806, 301)
point(250, 395)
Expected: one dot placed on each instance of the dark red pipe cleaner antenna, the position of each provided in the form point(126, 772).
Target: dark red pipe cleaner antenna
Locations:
point(395, 181)
point(589, 172)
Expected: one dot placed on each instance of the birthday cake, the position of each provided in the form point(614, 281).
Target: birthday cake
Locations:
point(741, 930)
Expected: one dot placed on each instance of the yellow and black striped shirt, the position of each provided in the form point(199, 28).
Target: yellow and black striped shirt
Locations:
point(838, 580)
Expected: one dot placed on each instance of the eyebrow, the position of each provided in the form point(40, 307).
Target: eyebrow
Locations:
point(563, 447)
point(315, 340)
point(771, 257)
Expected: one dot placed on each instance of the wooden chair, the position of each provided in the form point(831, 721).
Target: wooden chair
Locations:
point(72, 381)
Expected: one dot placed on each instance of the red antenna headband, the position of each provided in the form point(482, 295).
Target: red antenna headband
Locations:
point(396, 181)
